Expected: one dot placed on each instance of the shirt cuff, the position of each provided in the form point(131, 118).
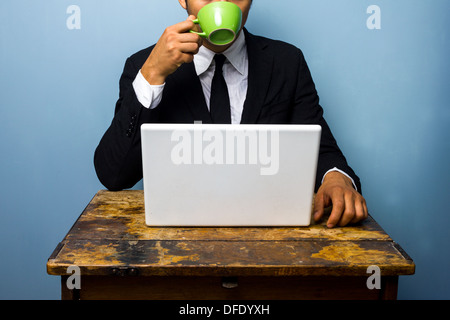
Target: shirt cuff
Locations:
point(148, 95)
point(338, 170)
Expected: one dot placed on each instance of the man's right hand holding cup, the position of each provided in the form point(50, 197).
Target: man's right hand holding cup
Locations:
point(176, 46)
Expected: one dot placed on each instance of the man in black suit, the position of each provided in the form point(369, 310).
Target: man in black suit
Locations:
point(268, 83)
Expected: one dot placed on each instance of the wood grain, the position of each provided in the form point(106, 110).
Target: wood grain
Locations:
point(111, 233)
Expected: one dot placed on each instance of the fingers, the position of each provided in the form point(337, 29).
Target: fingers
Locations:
point(361, 211)
point(189, 37)
point(318, 206)
point(185, 36)
point(189, 42)
point(184, 26)
point(179, 40)
point(175, 47)
point(349, 210)
point(338, 208)
point(191, 17)
point(185, 51)
point(348, 207)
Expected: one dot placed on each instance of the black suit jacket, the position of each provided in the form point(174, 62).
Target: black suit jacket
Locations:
point(280, 91)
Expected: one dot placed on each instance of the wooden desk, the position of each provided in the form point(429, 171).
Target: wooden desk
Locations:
point(121, 258)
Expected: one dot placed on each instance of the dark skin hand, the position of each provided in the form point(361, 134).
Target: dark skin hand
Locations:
point(175, 47)
point(349, 206)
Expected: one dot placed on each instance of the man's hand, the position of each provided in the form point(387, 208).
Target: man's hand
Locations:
point(176, 46)
point(348, 205)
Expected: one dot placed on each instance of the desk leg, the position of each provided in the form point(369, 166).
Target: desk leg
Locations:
point(389, 288)
point(66, 293)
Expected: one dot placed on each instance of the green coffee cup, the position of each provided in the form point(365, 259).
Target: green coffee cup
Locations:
point(220, 22)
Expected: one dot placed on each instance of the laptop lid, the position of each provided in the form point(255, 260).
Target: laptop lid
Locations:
point(229, 175)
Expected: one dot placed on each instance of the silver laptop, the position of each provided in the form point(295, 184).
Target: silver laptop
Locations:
point(229, 175)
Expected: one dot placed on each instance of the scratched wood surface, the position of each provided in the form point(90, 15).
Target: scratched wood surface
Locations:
point(111, 233)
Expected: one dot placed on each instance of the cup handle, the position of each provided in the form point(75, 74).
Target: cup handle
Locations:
point(201, 34)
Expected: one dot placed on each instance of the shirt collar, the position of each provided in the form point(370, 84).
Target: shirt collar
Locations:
point(236, 54)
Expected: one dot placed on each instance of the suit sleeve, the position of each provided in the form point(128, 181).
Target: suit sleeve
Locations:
point(308, 110)
point(117, 158)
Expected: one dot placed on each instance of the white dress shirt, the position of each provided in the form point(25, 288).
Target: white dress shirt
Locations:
point(235, 72)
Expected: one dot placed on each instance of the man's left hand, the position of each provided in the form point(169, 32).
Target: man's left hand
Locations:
point(337, 190)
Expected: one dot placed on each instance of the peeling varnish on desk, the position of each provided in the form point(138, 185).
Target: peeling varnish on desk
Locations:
point(78, 255)
point(112, 232)
point(354, 254)
point(165, 258)
point(111, 215)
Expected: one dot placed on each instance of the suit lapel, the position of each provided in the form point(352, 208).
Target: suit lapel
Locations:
point(259, 75)
point(191, 92)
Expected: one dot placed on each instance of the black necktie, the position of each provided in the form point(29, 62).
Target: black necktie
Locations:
point(220, 100)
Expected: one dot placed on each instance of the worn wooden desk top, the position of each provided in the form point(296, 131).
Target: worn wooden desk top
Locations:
point(111, 234)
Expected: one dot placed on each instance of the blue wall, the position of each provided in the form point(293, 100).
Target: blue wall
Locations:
point(385, 93)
